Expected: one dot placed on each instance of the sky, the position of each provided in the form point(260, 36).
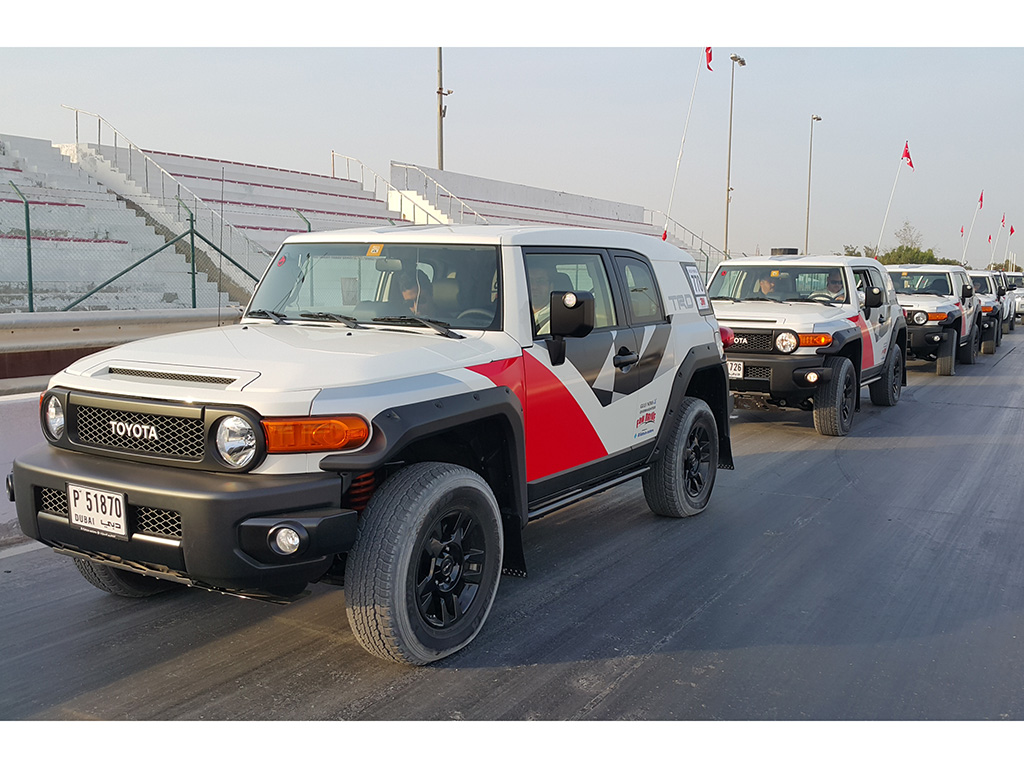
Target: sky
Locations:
point(587, 99)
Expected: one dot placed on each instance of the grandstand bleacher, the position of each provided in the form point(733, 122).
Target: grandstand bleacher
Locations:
point(97, 209)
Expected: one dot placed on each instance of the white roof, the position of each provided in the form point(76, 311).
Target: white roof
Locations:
point(809, 260)
point(513, 235)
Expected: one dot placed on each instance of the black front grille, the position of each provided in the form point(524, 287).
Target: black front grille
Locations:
point(750, 341)
point(151, 521)
point(757, 372)
point(144, 433)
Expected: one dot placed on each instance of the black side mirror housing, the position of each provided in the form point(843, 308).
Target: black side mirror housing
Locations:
point(1000, 291)
point(572, 315)
point(873, 297)
point(967, 292)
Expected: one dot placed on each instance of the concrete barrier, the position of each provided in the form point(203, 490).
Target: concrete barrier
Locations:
point(33, 346)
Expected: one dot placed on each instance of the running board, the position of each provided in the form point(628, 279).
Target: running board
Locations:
point(579, 495)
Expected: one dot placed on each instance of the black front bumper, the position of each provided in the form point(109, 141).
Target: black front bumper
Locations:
point(201, 528)
point(780, 377)
point(924, 340)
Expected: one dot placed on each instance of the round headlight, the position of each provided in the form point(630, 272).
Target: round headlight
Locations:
point(54, 414)
point(919, 317)
point(236, 441)
point(786, 342)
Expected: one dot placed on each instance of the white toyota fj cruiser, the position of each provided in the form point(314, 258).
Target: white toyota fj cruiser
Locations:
point(394, 407)
point(943, 314)
point(995, 308)
point(810, 331)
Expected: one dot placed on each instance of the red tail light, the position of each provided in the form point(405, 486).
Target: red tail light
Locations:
point(728, 337)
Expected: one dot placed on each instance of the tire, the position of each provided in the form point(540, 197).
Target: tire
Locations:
point(969, 352)
point(423, 573)
point(120, 582)
point(836, 399)
point(887, 390)
point(999, 334)
point(679, 484)
point(945, 361)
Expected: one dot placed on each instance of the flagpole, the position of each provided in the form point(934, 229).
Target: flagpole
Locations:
point(967, 242)
point(885, 218)
point(1006, 253)
point(671, 197)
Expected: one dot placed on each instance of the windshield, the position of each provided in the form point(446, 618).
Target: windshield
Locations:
point(780, 283)
point(936, 283)
point(1016, 280)
point(982, 284)
point(453, 286)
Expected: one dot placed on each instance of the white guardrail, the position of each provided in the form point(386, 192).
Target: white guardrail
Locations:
point(54, 331)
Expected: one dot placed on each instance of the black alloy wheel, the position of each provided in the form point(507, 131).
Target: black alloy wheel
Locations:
point(697, 460)
point(450, 568)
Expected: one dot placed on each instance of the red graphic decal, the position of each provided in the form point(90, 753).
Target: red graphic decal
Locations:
point(281, 261)
point(559, 435)
point(867, 343)
point(505, 373)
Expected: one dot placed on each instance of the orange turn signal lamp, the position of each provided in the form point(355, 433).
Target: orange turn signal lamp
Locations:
point(933, 316)
point(815, 339)
point(315, 434)
point(986, 309)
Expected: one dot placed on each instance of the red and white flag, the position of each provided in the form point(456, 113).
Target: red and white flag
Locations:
point(961, 231)
point(990, 239)
point(1011, 229)
point(707, 54)
point(981, 200)
point(1003, 225)
point(906, 155)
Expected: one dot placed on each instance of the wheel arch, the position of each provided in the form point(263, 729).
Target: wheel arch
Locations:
point(702, 374)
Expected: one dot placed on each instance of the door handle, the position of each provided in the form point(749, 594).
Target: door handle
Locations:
point(625, 358)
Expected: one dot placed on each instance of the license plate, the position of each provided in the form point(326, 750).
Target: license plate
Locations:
point(99, 511)
point(735, 369)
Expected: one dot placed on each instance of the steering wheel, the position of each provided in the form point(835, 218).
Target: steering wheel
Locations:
point(823, 295)
point(483, 314)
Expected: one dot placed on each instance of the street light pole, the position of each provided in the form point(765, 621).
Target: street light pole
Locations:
point(810, 150)
point(728, 165)
point(441, 109)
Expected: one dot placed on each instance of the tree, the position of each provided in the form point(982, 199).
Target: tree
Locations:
point(904, 254)
point(908, 236)
point(853, 251)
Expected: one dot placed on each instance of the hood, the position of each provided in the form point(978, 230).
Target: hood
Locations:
point(796, 314)
point(256, 357)
point(927, 301)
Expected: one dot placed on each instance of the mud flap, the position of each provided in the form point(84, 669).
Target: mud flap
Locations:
point(513, 562)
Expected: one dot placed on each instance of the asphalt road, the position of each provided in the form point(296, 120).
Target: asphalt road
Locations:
point(878, 576)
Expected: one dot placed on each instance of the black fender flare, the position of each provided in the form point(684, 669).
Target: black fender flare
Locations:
point(705, 357)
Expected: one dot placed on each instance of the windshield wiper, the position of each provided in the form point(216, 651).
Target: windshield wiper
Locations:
point(764, 298)
point(723, 296)
point(435, 325)
point(277, 317)
point(351, 322)
point(815, 301)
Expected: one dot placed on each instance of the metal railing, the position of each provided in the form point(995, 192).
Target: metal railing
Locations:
point(378, 181)
point(690, 240)
point(464, 208)
point(166, 190)
point(92, 257)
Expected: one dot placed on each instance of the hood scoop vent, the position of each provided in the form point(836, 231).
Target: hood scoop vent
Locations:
point(191, 378)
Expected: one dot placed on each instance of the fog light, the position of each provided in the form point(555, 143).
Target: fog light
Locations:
point(285, 540)
point(812, 378)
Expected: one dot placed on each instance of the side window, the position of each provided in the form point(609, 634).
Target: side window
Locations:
point(547, 272)
point(642, 291)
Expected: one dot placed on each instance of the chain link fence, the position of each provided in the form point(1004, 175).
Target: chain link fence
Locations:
point(87, 249)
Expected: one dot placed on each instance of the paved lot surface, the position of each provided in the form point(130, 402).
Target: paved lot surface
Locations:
point(878, 576)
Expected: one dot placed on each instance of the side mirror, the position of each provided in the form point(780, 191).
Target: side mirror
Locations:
point(967, 292)
point(1011, 287)
point(572, 315)
point(873, 297)
point(1000, 291)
